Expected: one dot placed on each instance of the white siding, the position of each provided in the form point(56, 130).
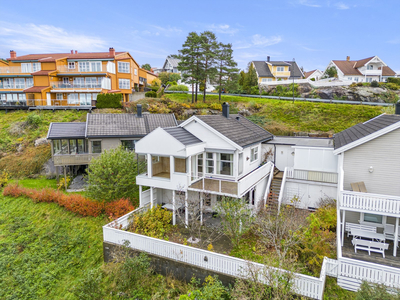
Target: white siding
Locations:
point(383, 155)
point(315, 159)
point(106, 143)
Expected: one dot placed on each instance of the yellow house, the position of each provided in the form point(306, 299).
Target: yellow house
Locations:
point(67, 79)
point(276, 70)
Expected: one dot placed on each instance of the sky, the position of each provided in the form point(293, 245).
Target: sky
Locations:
point(313, 32)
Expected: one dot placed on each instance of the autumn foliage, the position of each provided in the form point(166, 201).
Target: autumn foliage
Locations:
point(73, 202)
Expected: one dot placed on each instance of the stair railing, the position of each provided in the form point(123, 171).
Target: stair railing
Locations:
point(267, 189)
point(281, 191)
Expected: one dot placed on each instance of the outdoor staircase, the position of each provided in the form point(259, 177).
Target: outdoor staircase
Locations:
point(273, 196)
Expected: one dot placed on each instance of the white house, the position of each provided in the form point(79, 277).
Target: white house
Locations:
point(363, 70)
point(314, 74)
point(206, 156)
point(368, 207)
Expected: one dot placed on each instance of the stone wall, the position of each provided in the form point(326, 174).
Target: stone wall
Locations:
point(136, 96)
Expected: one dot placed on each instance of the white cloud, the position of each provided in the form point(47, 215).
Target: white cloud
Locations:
point(48, 38)
point(222, 28)
point(309, 49)
point(309, 3)
point(259, 40)
point(341, 5)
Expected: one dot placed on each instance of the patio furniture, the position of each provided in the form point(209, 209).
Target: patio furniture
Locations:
point(350, 226)
point(370, 246)
point(389, 232)
point(363, 234)
point(359, 187)
point(170, 207)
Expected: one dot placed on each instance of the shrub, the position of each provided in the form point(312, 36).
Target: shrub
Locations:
point(171, 83)
point(34, 120)
point(179, 87)
point(118, 208)
point(216, 106)
point(4, 178)
point(392, 86)
point(254, 90)
point(64, 182)
point(359, 84)
point(109, 101)
point(151, 94)
point(374, 83)
point(155, 222)
point(160, 92)
point(312, 79)
point(394, 80)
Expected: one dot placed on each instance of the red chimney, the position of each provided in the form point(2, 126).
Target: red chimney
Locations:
point(72, 51)
point(112, 51)
point(13, 54)
point(76, 51)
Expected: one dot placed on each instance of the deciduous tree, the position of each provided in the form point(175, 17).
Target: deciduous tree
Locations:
point(146, 67)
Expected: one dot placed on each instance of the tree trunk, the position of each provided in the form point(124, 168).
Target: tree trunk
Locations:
point(204, 92)
point(196, 92)
point(192, 92)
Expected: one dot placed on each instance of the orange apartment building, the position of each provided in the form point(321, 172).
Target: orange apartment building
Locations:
point(69, 79)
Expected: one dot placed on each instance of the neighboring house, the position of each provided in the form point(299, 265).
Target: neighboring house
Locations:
point(156, 70)
point(3, 63)
point(277, 70)
point(171, 65)
point(145, 78)
point(67, 79)
point(363, 70)
point(206, 158)
point(316, 74)
point(77, 143)
point(369, 199)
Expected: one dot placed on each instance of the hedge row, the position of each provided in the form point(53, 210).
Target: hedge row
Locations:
point(73, 202)
point(109, 101)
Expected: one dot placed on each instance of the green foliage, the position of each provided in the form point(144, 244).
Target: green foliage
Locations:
point(212, 289)
point(4, 178)
point(172, 83)
point(376, 292)
point(146, 67)
point(359, 84)
point(112, 176)
point(151, 94)
point(166, 77)
point(393, 86)
point(64, 182)
point(34, 120)
point(331, 72)
point(180, 87)
point(394, 80)
point(250, 79)
point(160, 92)
point(236, 218)
point(389, 97)
point(312, 79)
point(286, 90)
point(374, 83)
point(254, 90)
point(109, 101)
point(89, 286)
point(155, 222)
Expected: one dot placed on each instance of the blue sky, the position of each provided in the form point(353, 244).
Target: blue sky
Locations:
point(311, 31)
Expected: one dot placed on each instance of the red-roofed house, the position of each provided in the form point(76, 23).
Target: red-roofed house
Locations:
point(363, 70)
point(66, 79)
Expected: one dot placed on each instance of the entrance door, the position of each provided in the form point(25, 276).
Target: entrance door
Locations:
point(48, 99)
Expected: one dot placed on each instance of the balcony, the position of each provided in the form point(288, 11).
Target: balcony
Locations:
point(282, 74)
point(317, 176)
point(373, 72)
point(12, 70)
point(76, 87)
point(65, 69)
point(71, 159)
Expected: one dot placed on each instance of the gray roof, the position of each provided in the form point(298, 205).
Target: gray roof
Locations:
point(67, 130)
point(173, 61)
point(126, 125)
point(302, 141)
point(279, 63)
point(241, 131)
point(262, 69)
point(182, 135)
point(361, 130)
point(294, 70)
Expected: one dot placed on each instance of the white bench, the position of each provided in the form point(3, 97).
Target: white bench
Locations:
point(370, 246)
point(350, 226)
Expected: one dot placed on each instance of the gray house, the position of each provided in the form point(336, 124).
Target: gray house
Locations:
point(171, 65)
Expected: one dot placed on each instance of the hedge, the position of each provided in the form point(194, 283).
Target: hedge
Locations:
point(180, 87)
point(109, 101)
point(151, 94)
point(394, 80)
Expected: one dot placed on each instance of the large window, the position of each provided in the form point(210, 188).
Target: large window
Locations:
point(210, 163)
point(8, 83)
point(95, 66)
point(96, 146)
point(79, 82)
point(72, 98)
point(26, 68)
point(84, 66)
point(370, 67)
point(123, 67)
point(180, 165)
point(36, 67)
point(372, 218)
point(254, 154)
point(280, 69)
point(225, 164)
point(128, 145)
point(91, 82)
point(19, 83)
point(124, 84)
point(29, 82)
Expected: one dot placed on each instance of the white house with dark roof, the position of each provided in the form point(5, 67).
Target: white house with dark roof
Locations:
point(206, 156)
point(171, 65)
point(363, 70)
point(368, 206)
point(313, 74)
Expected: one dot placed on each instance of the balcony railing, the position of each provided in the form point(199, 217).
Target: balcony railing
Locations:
point(68, 86)
point(282, 73)
point(373, 72)
point(366, 202)
point(12, 70)
point(318, 176)
point(65, 69)
point(73, 159)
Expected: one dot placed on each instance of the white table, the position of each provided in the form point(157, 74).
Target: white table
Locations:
point(360, 234)
point(169, 206)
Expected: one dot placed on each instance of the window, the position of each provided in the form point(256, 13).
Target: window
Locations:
point(135, 71)
point(95, 66)
point(84, 66)
point(71, 65)
point(210, 163)
point(111, 67)
point(200, 165)
point(59, 96)
point(91, 82)
point(349, 78)
point(81, 146)
point(73, 149)
point(19, 83)
point(96, 146)
point(124, 84)
point(72, 99)
point(65, 80)
point(269, 79)
point(155, 159)
point(225, 164)
point(240, 163)
point(356, 79)
point(368, 80)
point(280, 69)
point(372, 218)
point(264, 80)
point(370, 67)
point(180, 165)
point(56, 146)
point(254, 154)
point(22, 97)
point(64, 147)
point(123, 67)
point(36, 67)
point(128, 145)
point(8, 83)
point(29, 82)
point(79, 82)
point(26, 68)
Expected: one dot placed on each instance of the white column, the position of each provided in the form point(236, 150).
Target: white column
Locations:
point(151, 197)
point(396, 237)
point(171, 166)
point(201, 209)
point(140, 196)
point(173, 208)
point(186, 209)
point(338, 234)
point(149, 166)
point(343, 222)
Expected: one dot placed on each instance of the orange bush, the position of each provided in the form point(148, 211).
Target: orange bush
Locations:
point(118, 208)
point(73, 202)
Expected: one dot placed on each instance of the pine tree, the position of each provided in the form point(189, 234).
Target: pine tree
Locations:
point(209, 48)
point(250, 79)
point(226, 71)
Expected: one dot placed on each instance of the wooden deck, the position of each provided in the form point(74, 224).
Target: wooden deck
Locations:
point(389, 260)
point(216, 185)
point(162, 175)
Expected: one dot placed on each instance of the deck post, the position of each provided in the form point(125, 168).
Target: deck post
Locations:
point(186, 209)
point(343, 223)
point(201, 208)
point(65, 177)
point(173, 208)
point(396, 237)
point(151, 197)
point(140, 196)
point(57, 174)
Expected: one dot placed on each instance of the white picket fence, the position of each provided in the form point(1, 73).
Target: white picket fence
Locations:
point(329, 82)
point(303, 284)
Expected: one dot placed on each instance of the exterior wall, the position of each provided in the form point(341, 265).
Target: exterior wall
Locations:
point(248, 165)
point(383, 155)
point(281, 155)
point(315, 159)
point(106, 143)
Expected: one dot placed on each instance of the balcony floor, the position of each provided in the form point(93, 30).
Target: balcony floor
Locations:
point(389, 260)
point(162, 175)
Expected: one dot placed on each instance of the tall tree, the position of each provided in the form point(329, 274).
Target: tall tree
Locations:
point(250, 79)
point(208, 48)
point(226, 67)
point(146, 67)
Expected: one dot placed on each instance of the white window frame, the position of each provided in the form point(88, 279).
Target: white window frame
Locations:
point(220, 161)
point(36, 67)
point(210, 160)
point(253, 154)
point(280, 69)
point(240, 163)
point(370, 67)
point(20, 83)
point(8, 83)
point(84, 66)
point(124, 84)
point(26, 68)
point(135, 71)
point(71, 65)
point(95, 66)
point(124, 67)
point(59, 96)
point(356, 79)
point(264, 80)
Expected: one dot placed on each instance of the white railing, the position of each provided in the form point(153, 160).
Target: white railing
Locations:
point(318, 83)
point(68, 86)
point(376, 203)
point(331, 267)
point(282, 190)
point(319, 176)
point(373, 72)
point(303, 284)
point(267, 189)
point(374, 273)
point(65, 69)
point(254, 177)
point(11, 70)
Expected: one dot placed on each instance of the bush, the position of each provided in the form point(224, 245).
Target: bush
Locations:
point(172, 83)
point(160, 92)
point(374, 83)
point(151, 94)
point(34, 120)
point(179, 87)
point(359, 84)
point(370, 291)
point(118, 208)
point(4, 178)
point(392, 86)
point(216, 106)
point(254, 90)
point(109, 101)
point(312, 79)
point(394, 80)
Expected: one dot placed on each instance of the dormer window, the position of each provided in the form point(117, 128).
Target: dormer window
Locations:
point(280, 69)
point(370, 67)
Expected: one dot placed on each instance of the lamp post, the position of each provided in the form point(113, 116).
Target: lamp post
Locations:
point(293, 82)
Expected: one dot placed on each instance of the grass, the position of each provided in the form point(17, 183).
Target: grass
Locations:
point(38, 183)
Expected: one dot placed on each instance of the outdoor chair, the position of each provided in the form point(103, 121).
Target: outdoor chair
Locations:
point(358, 187)
point(389, 232)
